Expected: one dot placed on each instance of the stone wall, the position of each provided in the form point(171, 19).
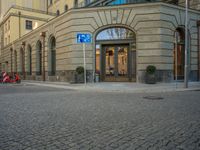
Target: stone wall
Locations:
point(154, 25)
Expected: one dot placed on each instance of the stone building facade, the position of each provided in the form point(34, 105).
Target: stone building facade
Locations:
point(139, 35)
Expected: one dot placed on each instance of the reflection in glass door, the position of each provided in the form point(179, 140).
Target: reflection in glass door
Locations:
point(122, 61)
point(116, 63)
point(110, 61)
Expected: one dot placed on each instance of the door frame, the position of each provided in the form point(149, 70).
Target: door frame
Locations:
point(114, 78)
point(132, 58)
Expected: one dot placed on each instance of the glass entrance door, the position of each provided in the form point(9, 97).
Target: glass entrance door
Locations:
point(115, 66)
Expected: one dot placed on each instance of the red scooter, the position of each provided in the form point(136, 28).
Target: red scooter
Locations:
point(7, 79)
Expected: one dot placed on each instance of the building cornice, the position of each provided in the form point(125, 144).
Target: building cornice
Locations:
point(77, 10)
point(124, 6)
point(30, 10)
point(9, 14)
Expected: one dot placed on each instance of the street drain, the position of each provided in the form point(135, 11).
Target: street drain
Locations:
point(153, 97)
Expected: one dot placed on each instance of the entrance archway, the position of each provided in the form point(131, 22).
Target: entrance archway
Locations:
point(116, 54)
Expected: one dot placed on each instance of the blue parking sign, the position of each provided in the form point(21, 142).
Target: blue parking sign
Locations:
point(83, 38)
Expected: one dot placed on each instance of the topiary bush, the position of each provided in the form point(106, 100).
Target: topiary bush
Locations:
point(79, 70)
point(150, 69)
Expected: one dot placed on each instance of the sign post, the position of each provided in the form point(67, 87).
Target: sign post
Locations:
point(84, 39)
point(186, 46)
point(84, 63)
point(176, 56)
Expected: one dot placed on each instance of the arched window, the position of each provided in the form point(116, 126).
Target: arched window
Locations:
point(22, 62)
point(39, 58)
point(115, 34)
point(52, 56)
point(87, 2)
point(58, 12)
point(75, 3)
point(11, 60)
point(66, 8)
point(15, 61)
point(29, 59)
point(179, 54)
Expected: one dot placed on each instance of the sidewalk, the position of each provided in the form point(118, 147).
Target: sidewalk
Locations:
point(129, 87)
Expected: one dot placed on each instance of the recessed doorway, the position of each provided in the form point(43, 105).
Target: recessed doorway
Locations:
point(116, 55)
point(115, 62)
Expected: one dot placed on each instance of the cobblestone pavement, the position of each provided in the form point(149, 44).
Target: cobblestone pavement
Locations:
point(43, 118)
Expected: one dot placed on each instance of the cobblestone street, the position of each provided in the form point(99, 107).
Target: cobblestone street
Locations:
point(39, 118)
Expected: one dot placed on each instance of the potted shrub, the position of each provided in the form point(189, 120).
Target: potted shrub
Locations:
point(150, 74)
point(79, 76)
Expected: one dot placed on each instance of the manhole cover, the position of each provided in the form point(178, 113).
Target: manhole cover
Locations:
point(153, 97)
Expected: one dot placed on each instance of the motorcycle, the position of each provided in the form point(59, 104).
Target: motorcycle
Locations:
point(7, 79)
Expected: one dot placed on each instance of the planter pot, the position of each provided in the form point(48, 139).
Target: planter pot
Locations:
point(150, 78)
point(79, 78)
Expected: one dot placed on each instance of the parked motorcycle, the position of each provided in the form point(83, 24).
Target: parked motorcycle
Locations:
point(5, 78)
